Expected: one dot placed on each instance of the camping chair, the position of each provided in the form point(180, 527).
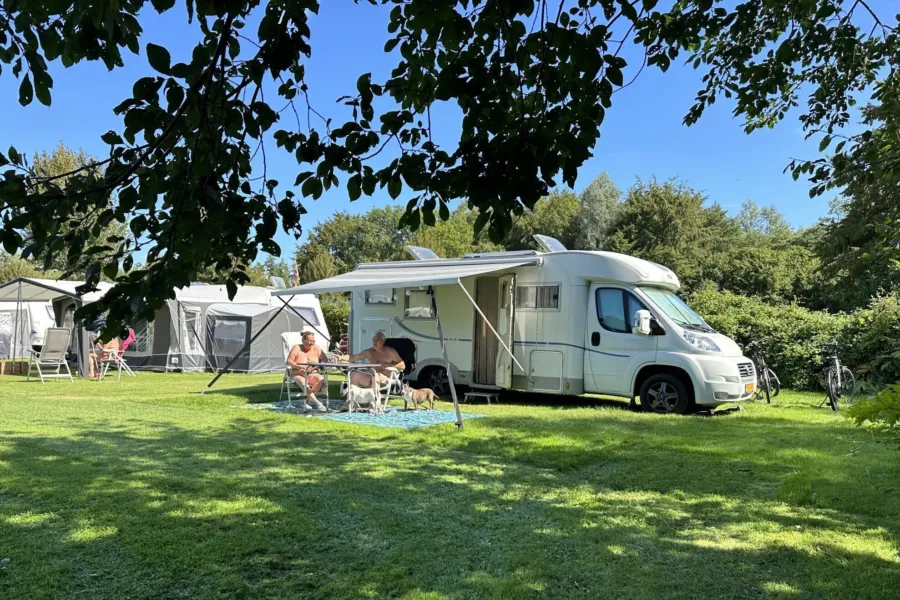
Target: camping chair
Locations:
point(393, 387)
point(52, 354)
point(117, 357)
point(289, 340)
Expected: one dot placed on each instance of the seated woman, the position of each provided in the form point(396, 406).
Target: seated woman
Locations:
point(302, 373)
point(98, 351)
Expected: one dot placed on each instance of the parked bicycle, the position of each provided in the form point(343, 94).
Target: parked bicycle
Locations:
point(838, 379)
point(767, 381)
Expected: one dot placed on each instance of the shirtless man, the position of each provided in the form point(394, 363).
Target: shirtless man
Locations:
point(302, 373)
point(381, 357)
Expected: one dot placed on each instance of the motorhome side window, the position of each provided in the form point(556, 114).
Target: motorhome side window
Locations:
point(418, 305)
point(537, 296)
point(616, 308)
point(380, 296)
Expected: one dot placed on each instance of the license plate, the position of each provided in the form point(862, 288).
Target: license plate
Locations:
point(748, 388)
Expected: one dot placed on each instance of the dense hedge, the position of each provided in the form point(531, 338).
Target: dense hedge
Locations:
point(793, 336)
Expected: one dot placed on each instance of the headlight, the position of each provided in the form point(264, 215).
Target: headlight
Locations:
point(700, 342)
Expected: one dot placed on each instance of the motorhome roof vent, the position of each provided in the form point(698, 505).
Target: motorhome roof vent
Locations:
point(420, 253)
point(277, 282)
point(501, 254)
point(549, 244)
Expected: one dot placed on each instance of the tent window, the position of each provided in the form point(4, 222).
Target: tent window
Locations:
point(229, 336)
point(308, 314)
point(191, 332)
point(143, 342)
point(6, 328)
point(418, 305)
point(380, 296)
point(537, 297)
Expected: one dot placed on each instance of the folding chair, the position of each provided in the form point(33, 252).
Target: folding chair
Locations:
point(393, 387)
point(117, 358)
point(290, 339)
point(52, 354)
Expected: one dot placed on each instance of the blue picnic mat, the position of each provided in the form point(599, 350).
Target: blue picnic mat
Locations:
point(399, 418)
point(393, 417)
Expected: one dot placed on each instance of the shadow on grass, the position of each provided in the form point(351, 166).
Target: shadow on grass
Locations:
point(256, 508)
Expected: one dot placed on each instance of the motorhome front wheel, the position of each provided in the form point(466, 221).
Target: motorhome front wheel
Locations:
point(664, 393)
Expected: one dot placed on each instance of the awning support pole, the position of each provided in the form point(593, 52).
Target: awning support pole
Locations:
point(437, 317)
point(244, 349)
point(13, 351)
point(491, 327)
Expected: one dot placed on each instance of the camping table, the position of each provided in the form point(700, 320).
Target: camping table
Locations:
point(346, 367)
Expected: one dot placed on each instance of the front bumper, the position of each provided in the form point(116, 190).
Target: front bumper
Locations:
point(721, 380)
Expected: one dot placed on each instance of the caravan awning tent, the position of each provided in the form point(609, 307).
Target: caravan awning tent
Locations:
point(26, 289)
point(407, 274)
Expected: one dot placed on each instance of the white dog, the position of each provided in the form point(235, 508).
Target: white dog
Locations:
point(359, 397)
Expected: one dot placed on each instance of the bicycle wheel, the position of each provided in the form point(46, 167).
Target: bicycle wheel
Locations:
point(767, 385)
point(848, 385)
point(833, 389)
point(774, 382)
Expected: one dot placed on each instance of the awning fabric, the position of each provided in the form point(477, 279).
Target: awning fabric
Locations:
point(409, 274)
point(35, 290)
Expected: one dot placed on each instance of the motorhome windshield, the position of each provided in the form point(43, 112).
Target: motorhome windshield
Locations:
point(675, 308)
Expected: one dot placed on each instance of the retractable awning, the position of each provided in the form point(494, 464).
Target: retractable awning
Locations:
point(408, 274)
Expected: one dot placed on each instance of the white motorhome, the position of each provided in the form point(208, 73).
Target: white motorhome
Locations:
point(555, 322)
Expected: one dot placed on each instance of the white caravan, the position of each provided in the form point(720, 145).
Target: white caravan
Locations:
point(558, 322)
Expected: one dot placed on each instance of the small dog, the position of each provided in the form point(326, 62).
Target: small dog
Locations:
point(417, 397)
point(359, 397)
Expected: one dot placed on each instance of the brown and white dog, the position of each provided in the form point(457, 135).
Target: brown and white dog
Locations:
point(416, 397)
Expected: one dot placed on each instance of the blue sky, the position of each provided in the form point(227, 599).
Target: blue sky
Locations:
point(641, 137)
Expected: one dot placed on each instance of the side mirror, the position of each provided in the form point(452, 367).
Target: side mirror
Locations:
point(641, 324)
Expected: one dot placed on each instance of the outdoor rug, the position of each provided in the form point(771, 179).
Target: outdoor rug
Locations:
point(394, 417)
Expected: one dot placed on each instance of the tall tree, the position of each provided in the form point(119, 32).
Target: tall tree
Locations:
point(553, 216)
point(455, 237)
point(668, 223)
point(60, 166)
point(533, 81)
point(600, 206)
point(277, 268)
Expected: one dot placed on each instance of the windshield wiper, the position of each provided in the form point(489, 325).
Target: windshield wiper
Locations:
point(698, 327)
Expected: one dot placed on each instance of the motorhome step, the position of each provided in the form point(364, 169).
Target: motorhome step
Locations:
point(485, 395)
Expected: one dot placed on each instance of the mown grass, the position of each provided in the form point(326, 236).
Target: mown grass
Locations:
point(146, 489)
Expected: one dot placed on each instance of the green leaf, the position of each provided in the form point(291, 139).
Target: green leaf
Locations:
point(111, 137)
point(481, 221)
point(824, 143)
point(444, 212)
point(159, 58)
point(162, 6)
point(353, 187)
point(391, 44)
point(614, 75)
point(395, 186)
point(26, 92)
point(312, 187)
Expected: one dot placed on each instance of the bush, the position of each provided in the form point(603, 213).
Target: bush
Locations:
point(336, 310)
point(792, 336)
point(873, 341)
point(881, 411)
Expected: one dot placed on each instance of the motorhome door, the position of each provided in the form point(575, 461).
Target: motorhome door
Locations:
point(506, 329)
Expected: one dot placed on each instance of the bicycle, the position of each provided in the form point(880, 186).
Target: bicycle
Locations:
point(767, 381)
point(838, 379)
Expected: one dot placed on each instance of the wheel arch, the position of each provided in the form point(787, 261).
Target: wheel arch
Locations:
point(649, 370)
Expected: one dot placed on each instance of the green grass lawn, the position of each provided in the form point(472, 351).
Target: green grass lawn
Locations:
point(146, 489)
